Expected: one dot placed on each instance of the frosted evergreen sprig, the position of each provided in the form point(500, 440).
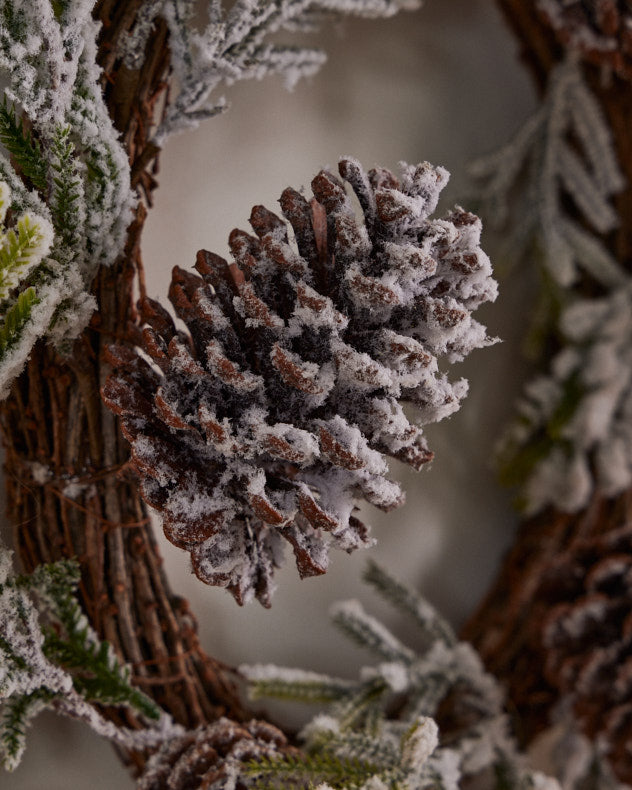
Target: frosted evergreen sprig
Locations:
point(297, 685)
point(431, 624)
point(296, 771)
point(23, 148)
point(23, 252)
point(573, 430)
point(55, 125)
point(51, 658)
point(554, 170)
point(408, 750)
point(21, 248)
point(97, 673)
point(67, 202)
point(33, 285)
point(236, 46)
point(49, 57)
point(571, 433)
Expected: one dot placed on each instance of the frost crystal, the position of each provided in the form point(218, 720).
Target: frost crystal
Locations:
point(272, 416)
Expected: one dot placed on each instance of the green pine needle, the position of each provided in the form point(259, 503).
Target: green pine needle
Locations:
point(409, 602)
point(16, 715)
point(67, 193)
point(360, 709)
point(292, 771)
point(310, 692)
point(11, 656)
point(97, 674)
point(16, 318)
point(25, 151)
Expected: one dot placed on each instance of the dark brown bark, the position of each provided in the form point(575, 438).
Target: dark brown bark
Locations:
point(56, 430)
point(507, 626)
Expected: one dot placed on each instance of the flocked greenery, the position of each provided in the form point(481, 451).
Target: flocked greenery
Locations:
point(16, 317)
point(63, 165)
point(25, 151)
point(65, 179)
point(51, 658)
point(556, 180)
point(385, 729)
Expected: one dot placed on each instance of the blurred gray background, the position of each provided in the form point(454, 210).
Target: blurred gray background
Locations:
point(443, 84)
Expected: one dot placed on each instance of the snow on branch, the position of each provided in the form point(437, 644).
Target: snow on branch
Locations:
point(558, 177)
point(235, 46)
point(67, 167)
point(554, 169)
point(449, 728)
point(51, 658)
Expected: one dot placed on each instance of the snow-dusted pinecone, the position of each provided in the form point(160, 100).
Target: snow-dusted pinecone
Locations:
point(211, 756)
point(587, 638)
point(599, 30)
point(272, 415)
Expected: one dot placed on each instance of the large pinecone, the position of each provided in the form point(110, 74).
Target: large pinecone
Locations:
point(212, 756)
point(587, 639)
point(272, 415)
point(599, 30)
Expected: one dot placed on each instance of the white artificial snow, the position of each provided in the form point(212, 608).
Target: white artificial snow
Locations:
point(234, 48)
point(40, 473)
point(395, 674)
point(22, 635)
point(420, 744)
point(555, 169)
point(597, 430)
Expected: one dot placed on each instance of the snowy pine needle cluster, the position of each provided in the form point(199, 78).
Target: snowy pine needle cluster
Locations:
point(51, 658)
point(549, 168)
point(572, 431)
point(63, 163)
point(272, 416)
point(430, 718)
point(237, 44)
